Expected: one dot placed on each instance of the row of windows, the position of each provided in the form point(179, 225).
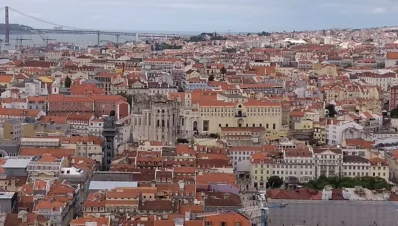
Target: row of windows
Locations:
point(293, 172)
point(232, 109)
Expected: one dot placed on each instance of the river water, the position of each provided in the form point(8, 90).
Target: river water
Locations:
point(88, 40)
point(36, 40)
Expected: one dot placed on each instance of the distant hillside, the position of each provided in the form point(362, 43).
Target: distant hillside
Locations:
point(14, 27)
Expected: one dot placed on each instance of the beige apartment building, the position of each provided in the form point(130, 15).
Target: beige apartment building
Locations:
point(217, 114)
point(182, 115)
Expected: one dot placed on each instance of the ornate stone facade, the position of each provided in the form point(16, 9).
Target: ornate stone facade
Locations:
point(155, 118)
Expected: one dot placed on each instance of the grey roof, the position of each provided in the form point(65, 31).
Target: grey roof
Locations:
point(55, 126)
point(29, 120)
point(92, 81)
point(354, 158)
point(112, 176)
point(17, 163)
point(13, 121)
point(20, 85)
point(10, 146)
point(233, 95)
point(333, 212)
point(106, 185)
point(6, 195)
point(64, 90)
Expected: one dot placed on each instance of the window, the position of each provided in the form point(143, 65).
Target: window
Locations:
point(274, 126)
point(206, 125)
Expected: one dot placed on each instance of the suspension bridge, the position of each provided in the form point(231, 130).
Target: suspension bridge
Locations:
point(62, 29)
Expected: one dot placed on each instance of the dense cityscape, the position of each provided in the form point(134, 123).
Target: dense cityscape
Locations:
point(214, 129)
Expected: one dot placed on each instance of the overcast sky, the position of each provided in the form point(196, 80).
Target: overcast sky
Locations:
point(206, 15)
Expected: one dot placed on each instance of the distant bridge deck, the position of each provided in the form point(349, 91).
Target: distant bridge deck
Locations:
point(96, 32)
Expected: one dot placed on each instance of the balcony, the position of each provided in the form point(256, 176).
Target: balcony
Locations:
point(240, 115)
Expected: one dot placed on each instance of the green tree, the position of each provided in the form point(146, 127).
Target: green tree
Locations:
point(332, 110)
point(68, 82)
point(394, 113)
point(223, 72)
point(381, 65)
point(367, 182)
point(229, 50)
point(211, 78)
point(274, 182)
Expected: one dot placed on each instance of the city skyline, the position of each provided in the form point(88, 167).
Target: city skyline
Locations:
point(206, 15)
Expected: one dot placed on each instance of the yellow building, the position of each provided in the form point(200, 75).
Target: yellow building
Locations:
point(347, 92)
point(12, 129)
point(192, 74)
point(325, 70)
point(285, 70)
point(6, 80)
point(302, 120)
point(46, 79)
point(320, 132)
point(373, 105)
point(44, 129)
point(303, 125)
point(259, 169)
point(214, 114)
point(379, 168)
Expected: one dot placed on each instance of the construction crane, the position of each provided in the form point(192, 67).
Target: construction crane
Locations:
point(19, 42)
point(45, 39)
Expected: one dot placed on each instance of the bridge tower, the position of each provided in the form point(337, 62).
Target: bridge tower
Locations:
point(98, 38)
point(7, 27)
